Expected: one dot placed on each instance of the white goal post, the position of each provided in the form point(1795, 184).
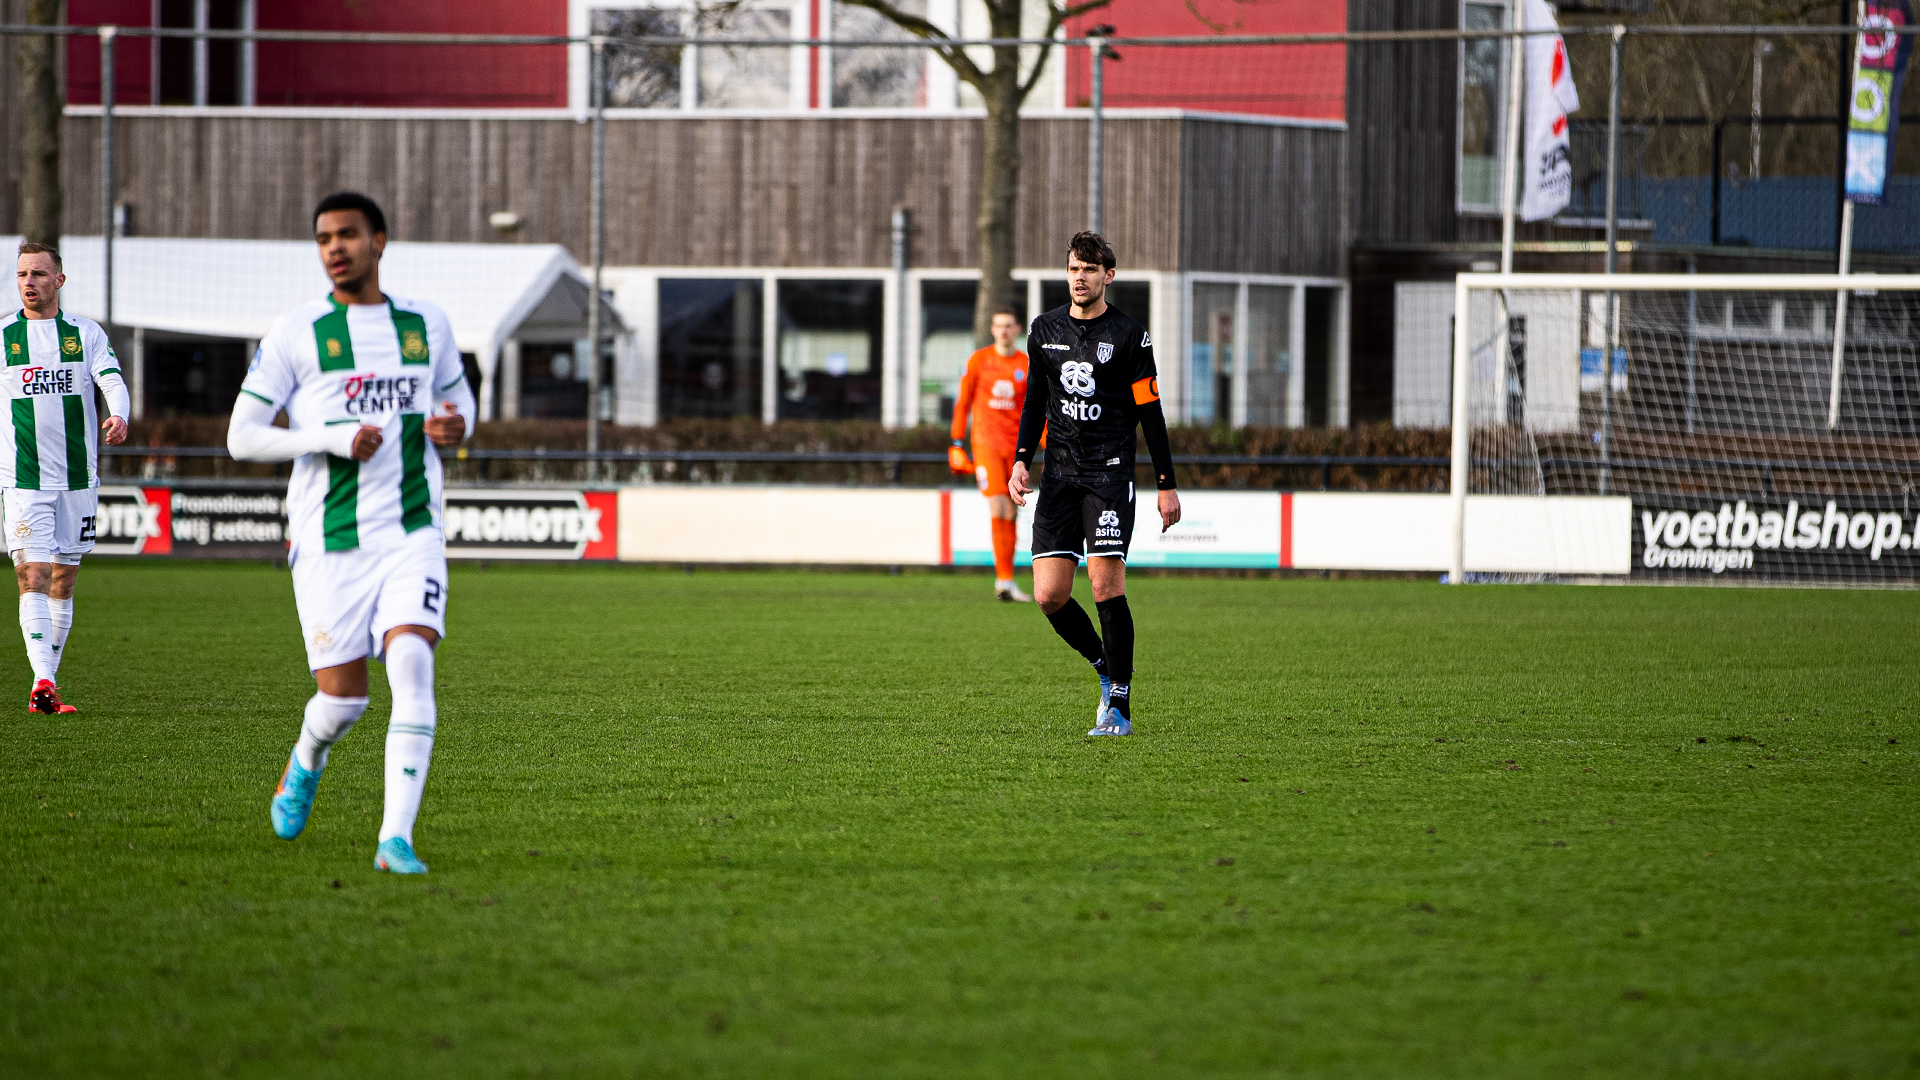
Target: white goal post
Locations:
point(1754, 441)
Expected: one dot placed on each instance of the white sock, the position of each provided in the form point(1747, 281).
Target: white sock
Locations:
point(62, 613)
point(328, 720)
point(36, 628)
point(409, 733)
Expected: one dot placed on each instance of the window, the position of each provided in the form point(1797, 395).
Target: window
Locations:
point(201, 72)
point(193, 376)
point(830, 349)
point(641, 76)
point(877, 78)
point(1483, 104)
point(946, 341)
point(551, 384)
point(710, 344)
point(698, 76)
point(1210, 358)
point(1269, 349)
point(740, 77)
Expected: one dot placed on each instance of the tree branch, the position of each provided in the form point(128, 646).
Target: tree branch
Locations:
point(956, 58)
point(1057, 15)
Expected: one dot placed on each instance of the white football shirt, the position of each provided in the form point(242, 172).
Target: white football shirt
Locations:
point(50, 427)
point(390, 365)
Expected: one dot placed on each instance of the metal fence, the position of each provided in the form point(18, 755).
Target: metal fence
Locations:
point(1747, 159)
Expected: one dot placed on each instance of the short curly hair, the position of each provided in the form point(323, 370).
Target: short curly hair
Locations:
point(1091, 247)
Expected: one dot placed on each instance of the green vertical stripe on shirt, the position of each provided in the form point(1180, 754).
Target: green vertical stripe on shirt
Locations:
point(334, 343)
point(16, 342)
point(342, 518)
point(414, 494)
point(411, 328)
point(26, 445)
point(71, 351)
point(79, 470)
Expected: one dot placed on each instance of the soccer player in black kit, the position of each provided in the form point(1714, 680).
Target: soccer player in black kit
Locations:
point(1092, 379)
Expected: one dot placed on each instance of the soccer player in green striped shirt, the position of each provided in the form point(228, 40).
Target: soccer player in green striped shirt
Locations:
point(49, 455)
point(371, 384)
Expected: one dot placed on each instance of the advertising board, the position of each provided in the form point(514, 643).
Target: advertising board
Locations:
point(1811, 538)
point(250, 523)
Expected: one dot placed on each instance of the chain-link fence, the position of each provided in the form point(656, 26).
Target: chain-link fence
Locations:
point(782, 218)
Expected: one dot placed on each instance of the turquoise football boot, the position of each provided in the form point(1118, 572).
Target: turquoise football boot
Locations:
point(1106, 696)
point(396, 857)
point(293, 799)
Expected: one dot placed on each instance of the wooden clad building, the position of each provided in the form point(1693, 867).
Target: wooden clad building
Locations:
point(796, 212)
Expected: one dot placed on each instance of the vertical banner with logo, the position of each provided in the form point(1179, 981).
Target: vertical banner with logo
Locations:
point(1879, 70)
point(1547, 180)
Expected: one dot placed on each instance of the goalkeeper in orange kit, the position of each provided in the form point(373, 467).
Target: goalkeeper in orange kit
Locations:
point(992, 393)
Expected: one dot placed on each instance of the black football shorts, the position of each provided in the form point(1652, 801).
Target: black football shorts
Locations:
point(1075, 518)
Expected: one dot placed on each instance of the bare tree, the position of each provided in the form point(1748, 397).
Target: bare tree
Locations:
point(1003, 90)
point(40, 201)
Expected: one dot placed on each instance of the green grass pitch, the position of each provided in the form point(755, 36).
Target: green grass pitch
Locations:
point(777, 824)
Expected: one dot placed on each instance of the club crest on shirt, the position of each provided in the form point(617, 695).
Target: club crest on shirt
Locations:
point(14, 348)
point(1105, 351)
point(333, 348)
point(70, 345)
point(413, 345)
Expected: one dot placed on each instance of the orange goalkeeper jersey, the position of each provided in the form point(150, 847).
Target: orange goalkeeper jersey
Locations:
point(992, 393)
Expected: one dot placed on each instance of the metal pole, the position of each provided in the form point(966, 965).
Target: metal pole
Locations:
point(1846, 224)
point(1840, 317)
point(1613, 255)
point(1096, 142)
point(1516, 77)
point(904, 411)
point(1462, 444)
point(106, 165)
point(597, 227)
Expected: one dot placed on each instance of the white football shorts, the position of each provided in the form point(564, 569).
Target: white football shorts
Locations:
point(51, 526)
point(348, 600)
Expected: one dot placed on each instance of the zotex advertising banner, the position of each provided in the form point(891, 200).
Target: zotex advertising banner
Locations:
point(531, 524)
point(1813, 538)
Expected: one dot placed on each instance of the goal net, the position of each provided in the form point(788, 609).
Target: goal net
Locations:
point(1752, 441)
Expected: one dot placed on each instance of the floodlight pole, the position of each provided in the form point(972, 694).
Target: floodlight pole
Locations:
point(106, 167)
point(1612, 342)
point(597, 243)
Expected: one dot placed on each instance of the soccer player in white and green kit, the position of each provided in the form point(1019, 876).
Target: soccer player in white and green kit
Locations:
point(367, 381)
point(49, 456)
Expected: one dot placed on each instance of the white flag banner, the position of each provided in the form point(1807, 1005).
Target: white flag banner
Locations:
point(1547, 179)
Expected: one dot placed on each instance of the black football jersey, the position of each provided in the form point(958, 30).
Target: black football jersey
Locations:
point(1095, 375)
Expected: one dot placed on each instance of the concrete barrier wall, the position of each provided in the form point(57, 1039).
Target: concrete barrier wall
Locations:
point(1252, 529)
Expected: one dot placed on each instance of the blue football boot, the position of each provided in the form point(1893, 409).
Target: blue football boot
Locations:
point(1106, 695)
point(293, 799)
point(1112, 723)
point(396, 857)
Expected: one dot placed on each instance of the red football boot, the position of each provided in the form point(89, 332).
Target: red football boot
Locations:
point(61, 706)
point(45, 698)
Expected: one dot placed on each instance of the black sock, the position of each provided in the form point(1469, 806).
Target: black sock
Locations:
point(1116, 630)
point(1073, 626)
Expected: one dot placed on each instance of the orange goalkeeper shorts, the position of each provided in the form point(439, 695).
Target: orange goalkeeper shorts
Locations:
point(992, 466)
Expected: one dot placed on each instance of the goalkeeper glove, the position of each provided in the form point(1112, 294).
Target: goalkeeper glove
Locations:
point(957, 458)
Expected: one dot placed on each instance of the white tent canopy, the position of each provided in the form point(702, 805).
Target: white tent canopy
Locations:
point(235, 288)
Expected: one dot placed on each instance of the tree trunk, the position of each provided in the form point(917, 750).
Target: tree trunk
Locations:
point(999, 193)
point(40, 194)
